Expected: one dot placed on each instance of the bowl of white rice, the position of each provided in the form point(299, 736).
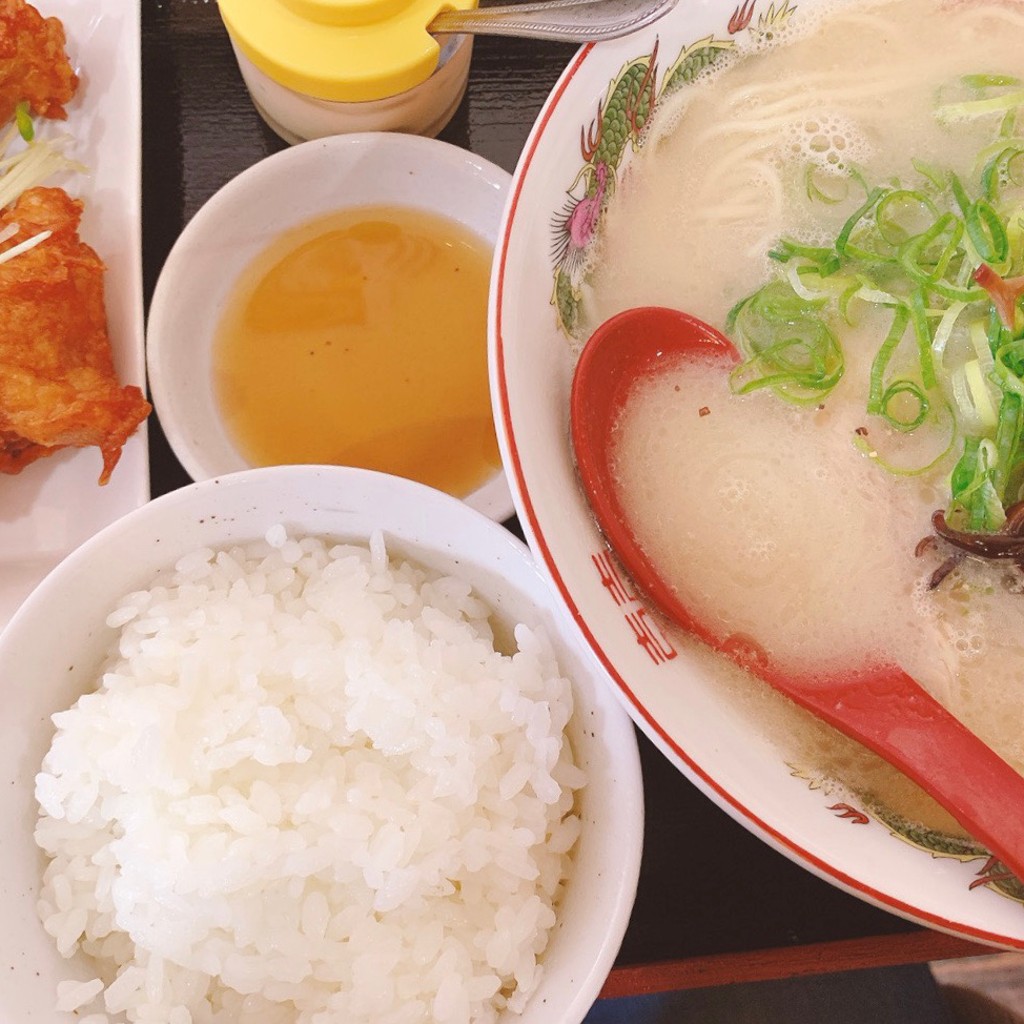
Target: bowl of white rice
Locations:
point(309, 744)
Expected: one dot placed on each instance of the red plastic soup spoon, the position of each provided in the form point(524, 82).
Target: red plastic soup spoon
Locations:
point(882, 708)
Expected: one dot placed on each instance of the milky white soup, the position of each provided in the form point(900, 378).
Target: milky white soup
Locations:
point(723, 177)
point(773, 526)
point(799, 524)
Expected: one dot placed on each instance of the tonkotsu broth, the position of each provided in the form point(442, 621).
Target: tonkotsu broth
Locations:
point(721, 178)
point(764, 514)
point(773, 526)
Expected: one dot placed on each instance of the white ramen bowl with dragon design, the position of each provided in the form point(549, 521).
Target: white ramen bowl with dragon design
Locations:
point(579, 156)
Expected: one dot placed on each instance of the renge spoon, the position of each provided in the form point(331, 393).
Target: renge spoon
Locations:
point(882, 708)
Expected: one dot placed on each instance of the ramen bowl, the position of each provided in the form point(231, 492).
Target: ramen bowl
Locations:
point(587, 138)
point(243, 225)
point(343, 506)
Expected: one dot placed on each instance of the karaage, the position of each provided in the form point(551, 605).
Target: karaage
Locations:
point(58, 387)
point(33, 65)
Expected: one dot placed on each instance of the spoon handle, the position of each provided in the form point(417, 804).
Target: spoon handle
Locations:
point(566, 21)
point(889, 712)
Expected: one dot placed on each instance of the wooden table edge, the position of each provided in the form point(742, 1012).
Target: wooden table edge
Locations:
point(795, 961)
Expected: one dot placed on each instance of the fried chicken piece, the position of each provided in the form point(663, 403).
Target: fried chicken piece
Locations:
point(58, 387)
point(33, 65)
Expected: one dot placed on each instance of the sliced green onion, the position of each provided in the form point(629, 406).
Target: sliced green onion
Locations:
point(1015, 166)
point(979, 340)
point(988, 81)
point(874, 295)
point(944, 329)
point(867, 448)
point(825, 260)
point(793, 272)
point(799, 370)
point(935, 175)
point(1008, 437)
point(987, 232)
point(894, 391)
point(967, 413)
point(1007, 373)
point(957, 294)
point(996, 167)
point(733, 315)
point(923, 336)
point(977, 108)
point(23, 119)
point(787, 249)
point(788, 347)
point(973, 491)
point(930, 253)
point(901, 317)
point(842, 244)
point(914, 253)
point(846, 296)
point(904, 213)
point(975, 381)
point(963, 472)
point(816, 193)
point(778, 304)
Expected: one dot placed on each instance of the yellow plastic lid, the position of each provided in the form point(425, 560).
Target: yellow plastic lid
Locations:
point(347, 50)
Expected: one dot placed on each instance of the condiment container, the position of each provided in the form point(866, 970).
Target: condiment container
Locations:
point(329, 67)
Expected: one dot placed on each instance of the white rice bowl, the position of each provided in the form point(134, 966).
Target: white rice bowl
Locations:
point(345, 843)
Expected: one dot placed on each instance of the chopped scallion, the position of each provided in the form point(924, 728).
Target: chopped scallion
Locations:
point(23, 119)
point(942, 256)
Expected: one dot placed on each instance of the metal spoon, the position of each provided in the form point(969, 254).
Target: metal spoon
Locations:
point(881, 707)
point(566, 21)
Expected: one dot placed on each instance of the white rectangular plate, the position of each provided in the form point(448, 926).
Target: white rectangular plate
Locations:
point(55, 504)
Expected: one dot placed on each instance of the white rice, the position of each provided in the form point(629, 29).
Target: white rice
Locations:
point(308, 789)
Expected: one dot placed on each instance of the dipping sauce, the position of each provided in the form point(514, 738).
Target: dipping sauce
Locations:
point(360, 339)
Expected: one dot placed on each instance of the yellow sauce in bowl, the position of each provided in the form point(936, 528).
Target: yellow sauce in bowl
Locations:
point(360, 339)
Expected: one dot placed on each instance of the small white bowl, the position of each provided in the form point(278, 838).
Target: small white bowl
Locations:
point(281, 192)
point(42, 677)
